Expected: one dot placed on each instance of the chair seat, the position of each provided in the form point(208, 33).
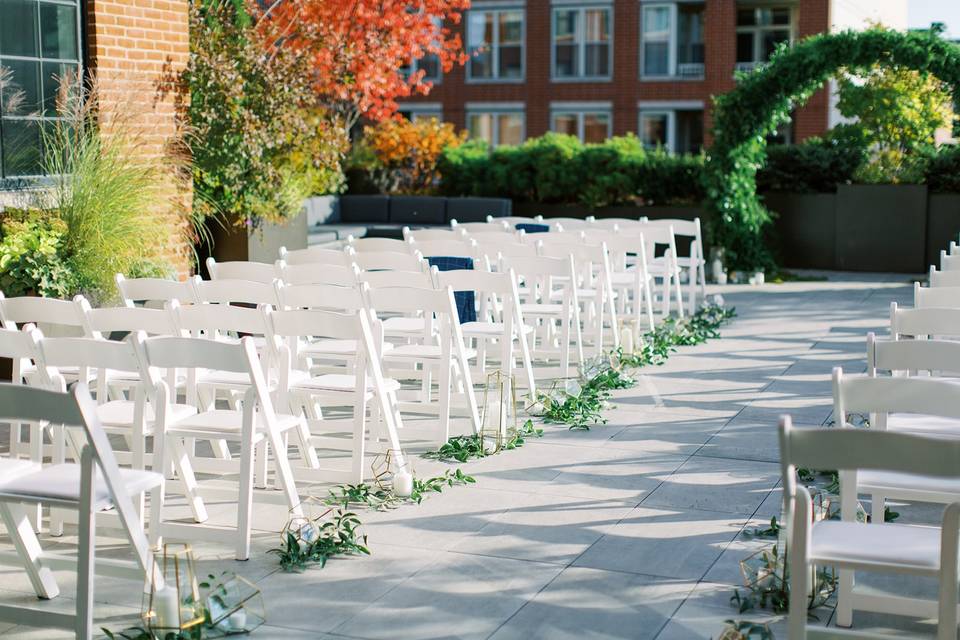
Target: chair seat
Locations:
point(688, 262)
point(239, 380)
point(890, 483)
point(316, 348)
point(119, 413)
point(625, 277)
point(909, 546)
point(404, 325)
point(923, 424)
point(223, 423)
point(61, 483)
point(340, 382)
point(540, 309)
point(12, 467)
point(488, 329)
point(420, 352)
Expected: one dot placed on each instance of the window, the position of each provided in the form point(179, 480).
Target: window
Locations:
point(588, 125)
point(581, 43)
point(677, 130)
point(413, 113)
point(672, 40)
point(495, 45)
point(429, 64)
point(759, 31)
point(496, 127)
point(39, 47)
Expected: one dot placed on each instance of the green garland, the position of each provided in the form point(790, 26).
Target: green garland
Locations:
point(763, 100)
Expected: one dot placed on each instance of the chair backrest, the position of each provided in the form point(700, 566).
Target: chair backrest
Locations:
point(614, 223)
point(949, 262)
point(625, 250)
point(944, 278)
point(363, 245)
point(318, 273)
point(21, 346)
point(567, 224)
point(931, 356)
point(227, 292)
point(515, 220)
point(418, 279)
point(497, 225)
point(458, 247)
point(866, 394)
point(432, 235)
point(88, 354)
point(316, 255)
point(681, 227)
point(389, 261)
point(29, 309)
point(241, 270)
point(943, 297)
point(165, 352)
point(495, 294)
point(218, 320)
point(100, 323)
point(411, 300)
point(156, 290)
point(319, 296)
point(934, 321)
point(656, 234)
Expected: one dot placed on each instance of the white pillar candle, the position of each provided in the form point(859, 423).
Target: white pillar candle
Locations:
point(238, 620)
point(403, 483)
point(167, 608)
point(626, 340)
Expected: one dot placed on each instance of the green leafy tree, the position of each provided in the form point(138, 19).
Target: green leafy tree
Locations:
point(898, 112)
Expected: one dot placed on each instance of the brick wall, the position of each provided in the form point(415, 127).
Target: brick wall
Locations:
point(626, 88)
point(137, 48)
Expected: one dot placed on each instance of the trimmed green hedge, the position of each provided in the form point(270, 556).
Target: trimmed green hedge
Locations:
point(557, 168)
point(943, 171)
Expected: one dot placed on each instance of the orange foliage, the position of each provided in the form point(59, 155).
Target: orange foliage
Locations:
point(404, 154)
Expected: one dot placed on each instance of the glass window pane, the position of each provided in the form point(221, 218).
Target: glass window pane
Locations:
point(510, 128)
point(25, 79)
point(477, 30)
point(595, 127)
point(770, 41)
point(780, 16)
point(57, 76)
point(511, 62)
point(511, 27)
point(597, 61)
point(58, 31)
point(565, 25)
point(566, 61)
point(565, 123)
point(597, 25)
point(481, 65)
point(430, 65)
point(656, 22)
point(21, 147)
point(690, 47)
point(480, 126)
point(653, 129)
point(746, 17)
point(656, 58)
point(18, 28)
point(689, 131)
point(745, 47)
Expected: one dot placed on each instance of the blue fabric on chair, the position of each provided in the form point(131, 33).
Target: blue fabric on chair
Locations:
point(532, 227)
point(466, 300)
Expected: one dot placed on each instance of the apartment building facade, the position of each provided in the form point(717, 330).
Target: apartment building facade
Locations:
point(597, 68)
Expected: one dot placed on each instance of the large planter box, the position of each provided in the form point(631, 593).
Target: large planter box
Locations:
point(532, 209)
point(263, 245)
point(418, 210)
point(364, 209)
point(476, 209)
point(943, 223)
point(806, 228)
point(882, 228)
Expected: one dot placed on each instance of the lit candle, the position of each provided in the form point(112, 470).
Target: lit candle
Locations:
point(403, 483)
point(626, 340)
point(238, 620)
point(167, 608)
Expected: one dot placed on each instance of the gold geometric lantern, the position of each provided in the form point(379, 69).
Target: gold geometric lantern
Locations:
point(498, 417)
point(303, 522)
point(235, 605)
point(175, 606)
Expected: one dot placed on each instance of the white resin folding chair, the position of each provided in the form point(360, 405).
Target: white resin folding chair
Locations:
point(365, 245)
point(156, 291)
point(594, 283)
point(454, 247)
point(93, 486)
point(405, 326)
point(929, 322)
point(317, 255)
point(881, 397)
point(949, 261)
point(612, 224)
point(551, 306)
point(694, 264)
point(664, 267)
point(629, 276)
point(498, 225)
point(432, 235)
point(389, 261)
point(938, 278)
point(241, 270)
point(515, 220)
point(254, 424)
point(499, 319)
point(23, 347)
point(440, 348)
point(318, 273)
point(850, 545)
point(354, 386)
point(567, 224)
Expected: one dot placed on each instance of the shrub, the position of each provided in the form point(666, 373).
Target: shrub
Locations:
point(816, 165)
point(31, 255)
point(672, 179)
point(942, 172)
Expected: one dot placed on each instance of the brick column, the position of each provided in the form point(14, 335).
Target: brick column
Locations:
point(137, 48)
point(720, 55)
point(813, 118)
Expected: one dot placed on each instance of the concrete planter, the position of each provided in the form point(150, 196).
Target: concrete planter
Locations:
point(943, 223)
point(262, 245)
point(806, 228)
point(476, 209)
point(882, 228)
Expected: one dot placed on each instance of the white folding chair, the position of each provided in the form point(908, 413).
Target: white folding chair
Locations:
point(227, 292)
point(389, 261)
point(93, 486)
point(432, 235)
point(665, 267)
point(693, 264)
point(850, 545)
point(881, 397)
point(354, 386)
point(629, 276)
point(155, 291)
point(241, 270)
point(943, 278)
point(440, 347)
point(406, 326)
point(317, 255)
point(318, 273)
point(498, 225)
point(366, 245)
point(454, 247)
point(949, 261)
point(499, 319)
point(551, 305)
point(254, 424)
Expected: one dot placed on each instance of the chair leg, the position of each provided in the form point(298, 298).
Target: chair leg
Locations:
point(24, 539)
point(845, 599)
point(260, 465)
point(181, 460)
point(86, 548)
point(444, 391)
point(878, 509)
point(245, 500)
point(359, 437)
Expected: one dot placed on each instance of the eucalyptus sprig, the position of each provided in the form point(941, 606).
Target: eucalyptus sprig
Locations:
point(340, 535)
point(379, 499)
point(745, 630)
point(463, 448)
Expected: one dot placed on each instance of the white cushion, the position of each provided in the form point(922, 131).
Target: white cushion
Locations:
point(871, 544)
point(224, 423)
point(61, 482)
point(120, 412)
point(403, 325)
point(12, 467)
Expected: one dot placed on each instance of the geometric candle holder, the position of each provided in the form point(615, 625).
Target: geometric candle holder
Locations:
point(498, 417)
point(234, 604)
point(176, 606)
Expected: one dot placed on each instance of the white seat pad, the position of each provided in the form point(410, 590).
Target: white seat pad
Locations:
point(341, 382)
point(120, 412)
point(333, 347)
point(61, 482)
point(488, 329)
point(419, 351)
point(404, 325)
point(223, 422)
point(914, 546)
point(12, 467)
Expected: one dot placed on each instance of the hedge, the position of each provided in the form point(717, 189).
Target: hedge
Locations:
point(557, 168)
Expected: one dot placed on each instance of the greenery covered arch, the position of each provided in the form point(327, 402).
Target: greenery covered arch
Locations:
point(763, 100)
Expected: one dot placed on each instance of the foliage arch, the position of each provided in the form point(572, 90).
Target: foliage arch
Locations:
point(763, 100)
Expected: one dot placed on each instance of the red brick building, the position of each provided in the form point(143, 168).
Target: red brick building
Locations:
point(596, 68)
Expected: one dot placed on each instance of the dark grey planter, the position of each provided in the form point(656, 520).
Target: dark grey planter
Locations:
point(806, 228)
point(623, 211)
point(476, 209)
point(417, 210)
point(231, 242)
point(943, 223)
point(882, 228)
point(364, 209)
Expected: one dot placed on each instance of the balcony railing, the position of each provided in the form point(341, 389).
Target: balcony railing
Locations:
point(747, 67)
point(690, 70)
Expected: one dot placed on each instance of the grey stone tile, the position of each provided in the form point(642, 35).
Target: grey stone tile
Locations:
point(717, 484)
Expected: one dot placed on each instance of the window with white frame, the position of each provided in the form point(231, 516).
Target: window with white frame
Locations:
point(495, 42)
point(588, 124)
point(672, 40)
point(417, 113)
point(581, 42)
point(759, 31)
point(676, 130)
point(497, 127)
point(429, 63)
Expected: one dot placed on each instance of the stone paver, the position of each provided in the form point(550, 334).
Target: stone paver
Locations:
point(631, 530)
